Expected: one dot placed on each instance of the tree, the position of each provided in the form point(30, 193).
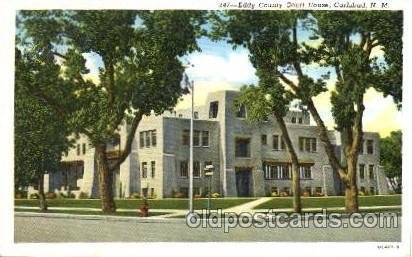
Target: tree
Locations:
point(40, 132)
point(263, 101)
point(347, 40)
point(391, 159)
point(140, 73)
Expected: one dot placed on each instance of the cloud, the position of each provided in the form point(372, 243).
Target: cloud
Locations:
point(202, 89)
point(234, 68)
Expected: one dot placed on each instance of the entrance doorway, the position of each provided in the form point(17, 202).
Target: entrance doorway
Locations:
point(243, 181)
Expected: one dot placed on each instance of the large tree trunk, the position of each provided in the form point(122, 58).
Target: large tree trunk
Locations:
point(297, 205)
point(351, 187)
point(105, 180)
point(42, 197)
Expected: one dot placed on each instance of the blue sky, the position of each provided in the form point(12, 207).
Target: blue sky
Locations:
point(219, 67)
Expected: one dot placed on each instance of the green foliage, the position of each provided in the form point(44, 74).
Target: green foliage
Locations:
point(40, 132)
point(391, 156)
point(139, 50)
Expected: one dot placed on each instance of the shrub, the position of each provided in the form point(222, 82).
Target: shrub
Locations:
point(34, 196)
point(284, 193)
point(135, 195)
point(319, 194)
point(83, 195)
point(306, 194)
point(51, 195)
point(361, 193)
point(215, 195)
point(197, 196)
point(274, 194)
point(153, 196)
point(178, 195)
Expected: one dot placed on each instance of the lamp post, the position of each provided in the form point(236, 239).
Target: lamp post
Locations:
point(190, 86)
point(209, 174)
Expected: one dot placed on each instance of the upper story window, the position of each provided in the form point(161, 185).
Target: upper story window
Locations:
point(200, 138)
point(147, 138)
point(242, 147)
point(361, 147)
point(213, 109)
point(195, 115)
point(205, 138)
point(307, 144)
point(78, 149)
point(278, 143)
point(186, 137)
point(369, 146)
point(300, 120)
point(241, 112)
point(264, 139)
point(293, 119)
point(84, 148)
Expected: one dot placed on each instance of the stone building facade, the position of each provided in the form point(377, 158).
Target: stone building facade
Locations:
point(249, 159)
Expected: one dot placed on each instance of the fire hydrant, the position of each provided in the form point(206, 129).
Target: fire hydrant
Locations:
point(144, 208)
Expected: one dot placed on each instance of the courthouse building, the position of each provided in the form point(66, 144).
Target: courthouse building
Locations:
point(249, 159)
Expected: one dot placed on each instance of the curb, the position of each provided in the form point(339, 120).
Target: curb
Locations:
point(99, 217)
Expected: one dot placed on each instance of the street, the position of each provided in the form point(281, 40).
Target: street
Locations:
point(57, 229)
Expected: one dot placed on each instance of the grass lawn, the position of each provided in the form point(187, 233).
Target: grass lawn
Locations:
point(324, 202)
point(122, 213)
point(180, 204)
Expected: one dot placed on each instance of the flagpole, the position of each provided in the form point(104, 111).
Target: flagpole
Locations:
point(192, 89)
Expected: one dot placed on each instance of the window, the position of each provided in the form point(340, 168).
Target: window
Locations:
point(282, 143)
point(275, 142)
point(154, 137)
point(147, 136)
point(184, 169)
point(213, 109)
point(314, 148)
point(362, 171)
point(196, 138)
point(305, 171)
point(242, 147)
point(141, 139)
point(293, 119)
point(264, 139)
point(369, 146)
point(195, 115)
point(274, 190)
point(372, 190)
point(144, 169)
point(180, 115)
point(152, 192)
point(153, 169)
point(318, 190)
point(196, 191)
point(362, 189)
point(196, 169)
point(277, 171)
point(301, 142)
point(300, 120)
point(185, 137)
point(361, 147)
point(286, 190)
point(78, 149)
point(205, 138)
point(371, 171)
point(308, 190)
point(84, 148)
point(241, 112)
point(307, 144)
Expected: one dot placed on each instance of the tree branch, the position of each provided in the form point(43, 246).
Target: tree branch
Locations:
point(128, 146)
